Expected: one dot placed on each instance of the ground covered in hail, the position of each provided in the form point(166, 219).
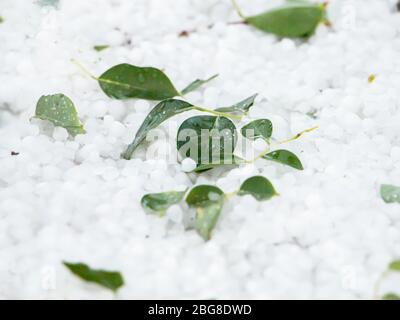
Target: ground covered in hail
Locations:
point(327, 235)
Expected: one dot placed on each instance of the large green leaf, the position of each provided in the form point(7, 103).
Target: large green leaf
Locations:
point(161, 112)
point(158, 203)
point(59, 110)
point(207, 140)
point(261, 128)
point(208, 202)
point(259, 187)
point(127, 81)
point(284, 157)
point(294, 19)
point(197, 84)
point(109, 279)
point(390, 193)
point(242, 107)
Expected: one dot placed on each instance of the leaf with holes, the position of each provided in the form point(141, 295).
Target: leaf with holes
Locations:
point(390, 193)
point(108, 279)
point(241, 107)
point(160, 113)
point(59, 110)
point(128, 81)
point(259, 187)
point(208, 202)
point(197, 84)
point(284, 157)
point(207, 140)
point(158, 203)
point(261, 128)
point(294, 19)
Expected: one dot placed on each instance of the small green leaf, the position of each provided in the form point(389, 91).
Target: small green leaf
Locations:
point(127, 81)
point(1, 19)
point(390, 193)
point(261, 128)
point(60, 110)
point(259, 187)
point(240, 107)
point(394, 266)
point(284, 157)
point(294, 19)
point(101, 47)
point(208, 201)
point(197, 84)
point(109, 279)
point(158, 203)
point(161, 112)
point(207, 140)
point(391, 296)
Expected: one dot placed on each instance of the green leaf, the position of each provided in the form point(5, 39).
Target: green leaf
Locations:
point(1, 19)
point(100, 47)
point(284, 157)
point(207, 140)
point(161, 112)
point(158, 203)
point(109, 279)
point(60, 110)
point(261, 128)
point(391, 296)
point(208, 201)
point(240, 107)
point(294, 19)
point(259, 187)
point(390, 193)
point(197, 84)
point(394, 266)
point(127, 81)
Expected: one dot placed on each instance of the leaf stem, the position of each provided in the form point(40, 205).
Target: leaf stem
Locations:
point(217, 113)
point(83, 69)
point(231, 194)
point(237, 9)
point(298, 135)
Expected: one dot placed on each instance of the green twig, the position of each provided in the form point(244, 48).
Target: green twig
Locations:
point(237, 9)
point(217, 113)
point(298, 135)
point(83, 69)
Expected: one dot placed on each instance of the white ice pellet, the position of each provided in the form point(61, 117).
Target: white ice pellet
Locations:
point(60, 134)
point(174, 213)
point(188, 165)
point(142, 106)
point(395, 153)
point(260, 145)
